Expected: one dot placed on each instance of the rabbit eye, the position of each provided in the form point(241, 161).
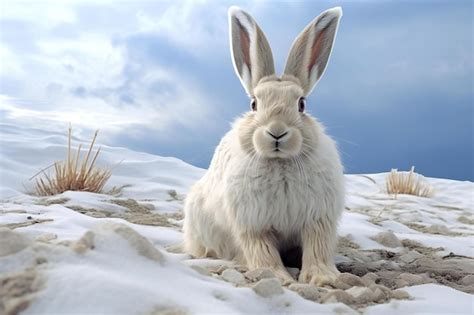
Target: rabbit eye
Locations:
point(253, 104)
point(301, 104)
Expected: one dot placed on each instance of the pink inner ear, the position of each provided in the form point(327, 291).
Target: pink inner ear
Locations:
point(245, 45)
point(316, 50)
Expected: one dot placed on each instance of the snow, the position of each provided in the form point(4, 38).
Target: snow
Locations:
point(448, 301)
point(115, 278)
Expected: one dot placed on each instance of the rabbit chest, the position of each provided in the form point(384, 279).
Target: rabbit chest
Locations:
point(277, 194)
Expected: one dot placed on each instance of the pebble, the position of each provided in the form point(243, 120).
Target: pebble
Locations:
point(294, 272)
point(399, 283)
point(400, 295)
point(369, 278)
point(384, 289)
point(388, 239)
point(201, 270)
point(222, 268)
point(336, 296)
point(361, 294)
point(347, 280)
point(308, 291)
point(46, 237)
point(241, 268)
point(468, 280)
point(259, 274)
point(411, 279)
point(439, 229)
point(410, 257)
point(378, 295)
point(12, 242)
point(389, 265)
point(357, 255)
point(268, 287)
point(233, 276)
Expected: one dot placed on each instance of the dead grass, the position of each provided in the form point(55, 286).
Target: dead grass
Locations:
point(77, 172)
point(408, 183)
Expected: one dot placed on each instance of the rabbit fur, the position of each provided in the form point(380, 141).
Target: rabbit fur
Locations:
point(275, 181)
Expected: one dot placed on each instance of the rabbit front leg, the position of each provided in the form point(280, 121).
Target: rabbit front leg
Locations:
point(319, 243)
point(260, 251)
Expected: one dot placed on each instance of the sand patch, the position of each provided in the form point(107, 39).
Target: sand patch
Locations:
point(414, 245)
point(17, 290)
point(25, 223)
point(167, 310)
point(136, 213)
point(54, 201)
point(433, 229)
point(465, 220)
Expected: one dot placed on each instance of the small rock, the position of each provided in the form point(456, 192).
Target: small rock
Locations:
point(357, 255)
point(222, 268)
point(201, 270)
point(439, 229)
point(241, 268)
point(388, 239)
point(378, 295)
point(268, 287)
point(41, 260)
point(220, 295)
point(85, 243)
point(259, 274)
point(294, 272)
point(384, 289)
point(374, 256)
point(12, 242)
point(361, 294)
point(347, 280)
point(369, 278)
point(233, 276)
point(410, 257)
point(338, 296)
point(411, 279)
point(387, 274)
point(399, 283)
point(46, 237)
point(400, 295)
point(389, 265)
point(468, 280)
point(426, 262)
point(308, 291)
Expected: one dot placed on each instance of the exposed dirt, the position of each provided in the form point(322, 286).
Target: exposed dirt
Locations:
point(55, 201)
point(18, 290)
point(136, 213)
point(25, 223)
point(427, 267)
point(433, 229)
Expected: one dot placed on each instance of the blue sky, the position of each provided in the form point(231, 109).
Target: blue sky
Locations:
point(157, 76)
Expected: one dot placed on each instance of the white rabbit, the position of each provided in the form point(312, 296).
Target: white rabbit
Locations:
point(275, 182)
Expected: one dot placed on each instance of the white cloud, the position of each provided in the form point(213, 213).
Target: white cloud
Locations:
point(83, 79)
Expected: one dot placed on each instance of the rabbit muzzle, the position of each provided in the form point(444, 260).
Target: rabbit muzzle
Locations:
point(277, 140)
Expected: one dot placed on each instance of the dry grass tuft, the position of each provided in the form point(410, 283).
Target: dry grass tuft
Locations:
point(76, 173)
point(408, 183)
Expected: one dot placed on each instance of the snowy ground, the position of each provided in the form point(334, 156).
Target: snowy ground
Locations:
point(84, 253)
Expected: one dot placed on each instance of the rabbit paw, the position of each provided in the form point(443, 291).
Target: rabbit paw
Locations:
point(284, 277)
point(319, 274)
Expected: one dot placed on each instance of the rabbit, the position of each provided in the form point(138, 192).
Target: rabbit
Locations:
point(275, 182)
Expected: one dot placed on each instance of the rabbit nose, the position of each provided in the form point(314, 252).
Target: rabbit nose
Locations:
point(277, 137)
point(277, 130)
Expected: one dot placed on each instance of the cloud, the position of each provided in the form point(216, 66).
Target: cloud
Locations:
point(158, 77)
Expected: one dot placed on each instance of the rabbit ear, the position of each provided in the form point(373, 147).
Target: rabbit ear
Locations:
point(250, 50)
point(310, 51)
